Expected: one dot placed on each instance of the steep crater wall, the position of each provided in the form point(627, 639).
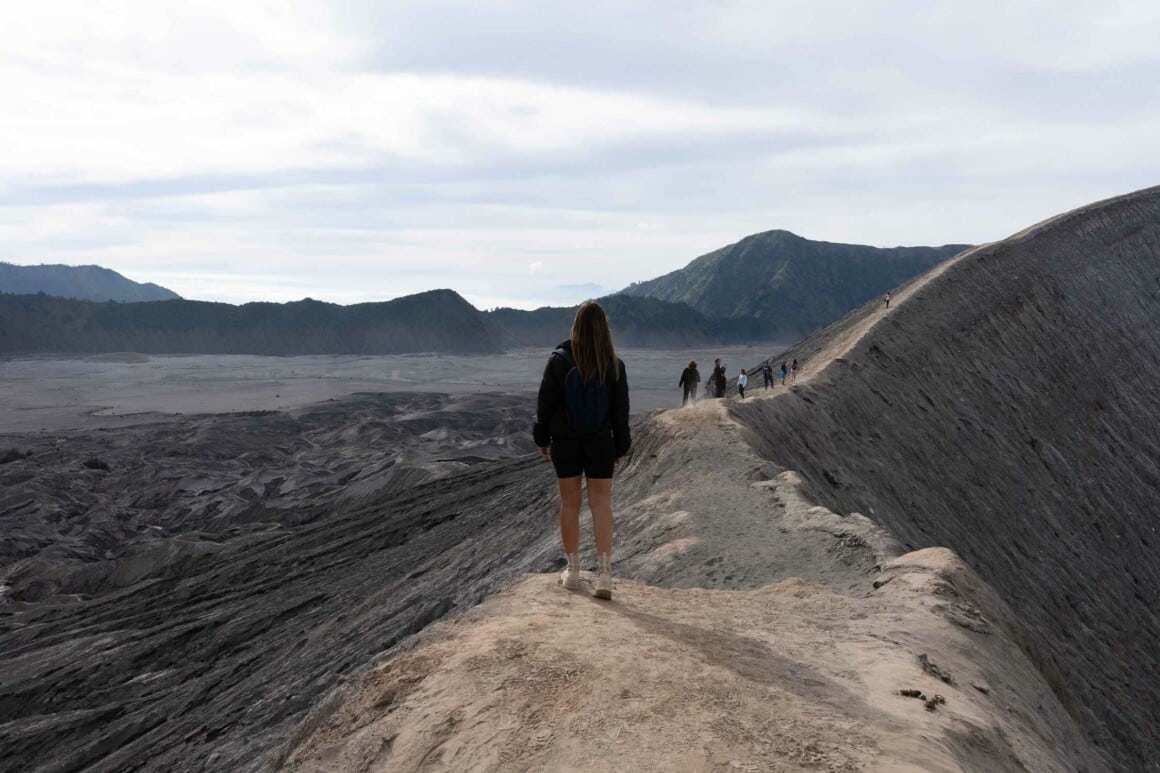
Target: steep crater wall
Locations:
point(1010, 410)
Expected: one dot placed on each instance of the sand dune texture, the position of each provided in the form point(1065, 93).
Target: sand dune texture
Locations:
point(935, 551)
point(92, 510)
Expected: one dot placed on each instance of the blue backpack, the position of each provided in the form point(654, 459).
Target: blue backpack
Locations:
point(585, 402)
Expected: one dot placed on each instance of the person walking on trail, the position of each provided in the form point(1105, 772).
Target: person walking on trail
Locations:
point(767, 375)
point(690, 378)
point(582, 427)
point(742, 382)
point(887, 299)
point(783, 372)
point(793, 371)
point(718, 378)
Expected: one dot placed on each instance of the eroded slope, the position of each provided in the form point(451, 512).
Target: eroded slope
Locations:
point(1009, 410)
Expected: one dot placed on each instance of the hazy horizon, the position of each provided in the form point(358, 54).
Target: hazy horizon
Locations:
point(561, 296)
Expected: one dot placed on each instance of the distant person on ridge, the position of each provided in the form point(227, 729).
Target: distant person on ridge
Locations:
point(742, 382)
point(887, 299)
point(690, 378)
point(784, 371)
point(793, 371)
point(767, 375)
point(718, 378)
point(582, 427)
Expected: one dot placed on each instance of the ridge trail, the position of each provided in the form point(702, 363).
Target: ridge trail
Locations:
point(758, 631)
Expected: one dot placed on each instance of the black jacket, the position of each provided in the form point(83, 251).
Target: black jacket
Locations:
point(550, 419)
point(689, 378)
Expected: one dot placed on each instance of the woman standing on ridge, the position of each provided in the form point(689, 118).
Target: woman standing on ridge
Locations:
point(582, 426)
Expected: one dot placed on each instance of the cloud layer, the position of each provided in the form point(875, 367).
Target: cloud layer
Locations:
point(362, 150)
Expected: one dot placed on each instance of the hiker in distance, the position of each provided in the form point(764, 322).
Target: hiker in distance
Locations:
point(793, 371)
point(784, 371)
point(742, 382)
point(887, 299)
point(582, 427)
point(767, 375)
point(718, 378)
point(690, 378)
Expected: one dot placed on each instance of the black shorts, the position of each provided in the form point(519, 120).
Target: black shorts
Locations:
point(593, 457)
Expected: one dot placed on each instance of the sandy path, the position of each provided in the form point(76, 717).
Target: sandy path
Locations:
point(787, 677)
point(697, 508)
point(841, 345)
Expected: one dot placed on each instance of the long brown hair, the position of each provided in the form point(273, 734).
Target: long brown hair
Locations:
point(592, 342)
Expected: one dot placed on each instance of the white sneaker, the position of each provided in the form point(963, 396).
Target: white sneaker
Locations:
point(570, 577)
point(604, 576)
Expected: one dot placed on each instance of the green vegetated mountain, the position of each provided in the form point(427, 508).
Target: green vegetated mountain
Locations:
point(772, 286)
point(92, 283)
point(636, 321)
point(435, 321)
point(793, 285)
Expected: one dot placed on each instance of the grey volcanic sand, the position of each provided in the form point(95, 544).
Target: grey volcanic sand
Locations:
point(151, 494)
point(118, 390)
point(1009, 411)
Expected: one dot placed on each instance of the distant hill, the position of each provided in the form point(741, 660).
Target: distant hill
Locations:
point(91, 283)
point(793, 285)
point(435, 321)
point(636, 321)
point(768, 287)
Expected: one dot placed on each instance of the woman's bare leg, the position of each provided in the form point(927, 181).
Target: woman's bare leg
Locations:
point(600, 501)
point(570, 495)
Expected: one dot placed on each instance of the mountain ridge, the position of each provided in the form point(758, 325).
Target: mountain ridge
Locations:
point(87, 282)
point(663, 312)
point(792, 284)
point(636, 321)
point(436, 320)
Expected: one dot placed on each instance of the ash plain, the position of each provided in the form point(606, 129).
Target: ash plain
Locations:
point(122, 468)
point(53, 393)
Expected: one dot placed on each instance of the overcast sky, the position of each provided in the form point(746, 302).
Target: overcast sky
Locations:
point(538, 152)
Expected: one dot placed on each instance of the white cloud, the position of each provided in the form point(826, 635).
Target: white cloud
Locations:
point(363, 150)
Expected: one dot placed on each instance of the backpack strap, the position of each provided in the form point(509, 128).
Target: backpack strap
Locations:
point(566, 356)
